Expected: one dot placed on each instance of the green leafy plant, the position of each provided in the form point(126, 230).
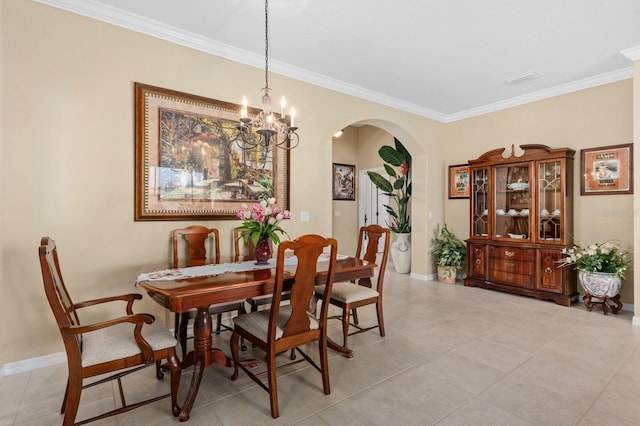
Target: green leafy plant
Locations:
point(262, 220)
point(448, 250)
point(397, 186)
point(609, 257)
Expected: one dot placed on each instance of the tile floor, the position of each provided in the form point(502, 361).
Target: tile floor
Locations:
point(453, 355)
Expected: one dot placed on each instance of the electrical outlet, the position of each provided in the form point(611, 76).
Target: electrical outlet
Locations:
point(304, 216)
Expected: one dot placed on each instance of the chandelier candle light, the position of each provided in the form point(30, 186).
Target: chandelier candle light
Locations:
point(269, 130)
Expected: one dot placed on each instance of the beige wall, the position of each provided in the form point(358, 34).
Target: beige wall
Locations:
point(595, 117)
point(67, 164)
point(66, 152)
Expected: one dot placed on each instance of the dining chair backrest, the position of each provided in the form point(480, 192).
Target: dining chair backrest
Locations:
point(241, 251)
point(372, 234)
point(307, 249)
point(63, 308)
point(197, 238)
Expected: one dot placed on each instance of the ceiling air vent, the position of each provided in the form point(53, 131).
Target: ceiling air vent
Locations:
point(521, 78)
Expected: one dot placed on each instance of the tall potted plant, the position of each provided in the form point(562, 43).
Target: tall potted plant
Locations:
point(449, 253)
point(398, 187)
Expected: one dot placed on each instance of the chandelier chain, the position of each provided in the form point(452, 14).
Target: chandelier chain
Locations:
point(266, 44)
point(266, 130)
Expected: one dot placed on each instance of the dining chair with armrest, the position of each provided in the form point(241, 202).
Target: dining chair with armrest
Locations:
point(350, 296)
point(285, 327)
point(197, 238)
point(115, 347)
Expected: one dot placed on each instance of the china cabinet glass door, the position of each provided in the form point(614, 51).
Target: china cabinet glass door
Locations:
point(480, 202)
point(512, 207)
point(550, 200)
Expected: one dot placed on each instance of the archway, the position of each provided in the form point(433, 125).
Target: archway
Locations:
point(358, 146)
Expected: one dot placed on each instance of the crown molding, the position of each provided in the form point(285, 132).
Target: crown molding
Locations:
point(114, 16)
point(632, 54)
point(574, 86)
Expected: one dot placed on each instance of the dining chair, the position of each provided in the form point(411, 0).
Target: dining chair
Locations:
point(349, 296)
point(285, 327)
point(117, 347)
point(244, 252)
point(241, 251)
point(197, 239)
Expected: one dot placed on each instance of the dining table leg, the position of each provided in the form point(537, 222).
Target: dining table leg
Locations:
point(202, 355)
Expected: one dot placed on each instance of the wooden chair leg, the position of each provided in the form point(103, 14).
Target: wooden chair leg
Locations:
point(354, 314)
point(218, 323)
point(72, 400)
point(64, 400)
point(273, 385)
point(380, 318)
point(345, 325)
point(324, 365)
point(174, 366)
point(233, 343)
point(159, 373)
point(182, 334)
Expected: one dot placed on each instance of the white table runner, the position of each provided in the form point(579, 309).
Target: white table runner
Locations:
point(217, 269)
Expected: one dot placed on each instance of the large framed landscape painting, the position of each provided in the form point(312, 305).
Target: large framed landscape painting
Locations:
point(188, 164)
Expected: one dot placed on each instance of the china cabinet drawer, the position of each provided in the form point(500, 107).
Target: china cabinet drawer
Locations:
point(512, 266)
point(520, 280)
point(512, 253)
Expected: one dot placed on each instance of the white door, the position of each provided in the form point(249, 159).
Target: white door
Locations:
point(371, 202)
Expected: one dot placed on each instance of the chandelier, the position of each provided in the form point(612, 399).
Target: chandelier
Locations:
point(265, 129)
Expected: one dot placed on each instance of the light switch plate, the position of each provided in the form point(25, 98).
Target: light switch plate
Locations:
point(304, 216)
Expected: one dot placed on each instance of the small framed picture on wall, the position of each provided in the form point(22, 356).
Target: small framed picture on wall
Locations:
point(459, 181)
point(344, 182)
point(607, 170)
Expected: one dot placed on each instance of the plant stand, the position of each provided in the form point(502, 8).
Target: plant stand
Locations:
point(605, 301)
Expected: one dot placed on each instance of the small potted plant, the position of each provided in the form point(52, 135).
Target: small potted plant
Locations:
point(449, 253)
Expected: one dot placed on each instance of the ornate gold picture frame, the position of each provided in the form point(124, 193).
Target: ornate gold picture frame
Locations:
point(188, 165)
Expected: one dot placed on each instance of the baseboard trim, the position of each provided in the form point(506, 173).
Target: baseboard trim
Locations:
point(33, 363)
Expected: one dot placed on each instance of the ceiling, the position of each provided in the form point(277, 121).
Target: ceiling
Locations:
point(443, 59)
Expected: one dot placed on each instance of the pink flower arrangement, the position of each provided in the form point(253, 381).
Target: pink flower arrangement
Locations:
point(262, 220)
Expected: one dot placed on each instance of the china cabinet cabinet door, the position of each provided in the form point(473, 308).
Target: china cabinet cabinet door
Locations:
point(551, 196)
point(512, 202)
point(480, 203)
point(551, 277)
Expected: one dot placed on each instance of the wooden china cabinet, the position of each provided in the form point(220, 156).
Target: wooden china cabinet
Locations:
point(521, 219)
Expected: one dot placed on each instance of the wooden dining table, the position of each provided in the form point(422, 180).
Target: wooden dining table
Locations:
point(183, 294)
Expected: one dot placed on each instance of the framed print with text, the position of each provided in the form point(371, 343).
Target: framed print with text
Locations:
point(606, 170)
point(459, 181)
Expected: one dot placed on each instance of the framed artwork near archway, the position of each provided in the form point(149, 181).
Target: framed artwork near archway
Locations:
point(344, 182)
point(459, 181)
